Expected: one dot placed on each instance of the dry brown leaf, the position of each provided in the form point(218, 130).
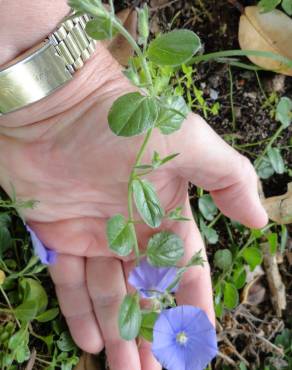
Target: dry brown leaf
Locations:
point(254, 292)
point(270, 32)
point(119, 46)
point(276, 285)
point(87, 362)
point(279, 208)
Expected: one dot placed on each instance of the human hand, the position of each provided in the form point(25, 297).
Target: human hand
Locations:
point(61, 152)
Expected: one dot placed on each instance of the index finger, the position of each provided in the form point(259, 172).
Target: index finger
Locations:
point(209, 162)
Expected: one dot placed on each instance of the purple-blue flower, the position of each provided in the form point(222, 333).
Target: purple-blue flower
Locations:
point(184, 339)
point(151, 281)
point(46, 255)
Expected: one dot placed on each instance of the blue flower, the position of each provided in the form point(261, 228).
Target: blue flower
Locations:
point(46, 255)
point(152, 281)
point(184, 339)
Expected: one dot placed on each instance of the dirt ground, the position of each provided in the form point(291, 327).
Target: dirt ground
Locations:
point(216, 22)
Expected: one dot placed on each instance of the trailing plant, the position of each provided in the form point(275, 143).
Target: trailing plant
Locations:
point(156, 106)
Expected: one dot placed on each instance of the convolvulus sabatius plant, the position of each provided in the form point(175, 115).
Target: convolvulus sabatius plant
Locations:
point(183, 337)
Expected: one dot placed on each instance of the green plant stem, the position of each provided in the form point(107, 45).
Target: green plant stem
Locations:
point(138, 51)
point(232, 53)
point(231, 98)
point(9, 305)
point(262, 90)
point(212, 223)
point(269, 145)
point(130, 191)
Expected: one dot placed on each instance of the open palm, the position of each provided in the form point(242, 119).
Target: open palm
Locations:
point(62, 153)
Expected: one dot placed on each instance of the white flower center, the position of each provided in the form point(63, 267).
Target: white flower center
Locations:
point(181, 338)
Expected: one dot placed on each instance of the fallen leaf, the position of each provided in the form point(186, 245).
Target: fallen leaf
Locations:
point(279, 208)
point(271, 32)
point(254, 292)
point(276, 285)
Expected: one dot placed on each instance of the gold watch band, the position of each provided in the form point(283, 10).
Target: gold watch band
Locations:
point(45, 68)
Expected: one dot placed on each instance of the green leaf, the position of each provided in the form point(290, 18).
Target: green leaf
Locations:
point(119, 235)
point(242, 366)
point(130, 317)
point(207, 207)
point(48, 315)
point(253, 256)
point(33, 291)
point(22, 353)
point(210, 234)
point(132, 114)
point(147, 202)
point(101, 28)
point(5, 220)
point(239, 277)
point(18, 338)
point(196, 260)
point(176, 215)
point(276, 160)
point(173, 110)
point(86, 6)
point(26, 311)
point(164, 249)
point(287, 6)
point(285, 339)
point(265, 169)
point(173, 48)
point(157, 161)
point(230, 295)
point(219, 307)
point(284, 238)
point(223, 259)
point(273, 242)
point(284, 111)
point(5, 240)
point(148, 321)
point(65, 342)
point(268, 5)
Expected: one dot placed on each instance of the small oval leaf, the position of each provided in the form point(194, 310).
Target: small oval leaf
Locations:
point(130, 317)
point(148, 321)
point(253, 256)
point(276, 160)
point(132, 114)
point(147, 202)
point(231, 296)
point(223, 259)
point(164, 249)
point(101, 28)
point(173, 111)
point(119, 235)
point(207, 207)
point(173, 48)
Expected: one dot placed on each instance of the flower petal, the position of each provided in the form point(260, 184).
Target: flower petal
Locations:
point(46, 255)
point(146, 277)
point(201, 344)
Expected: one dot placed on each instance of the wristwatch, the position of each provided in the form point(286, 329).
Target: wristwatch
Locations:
point(46, 67)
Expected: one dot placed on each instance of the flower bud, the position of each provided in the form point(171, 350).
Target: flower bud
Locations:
point(143, 24)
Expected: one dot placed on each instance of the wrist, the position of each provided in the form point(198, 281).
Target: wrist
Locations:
point(100, 68)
